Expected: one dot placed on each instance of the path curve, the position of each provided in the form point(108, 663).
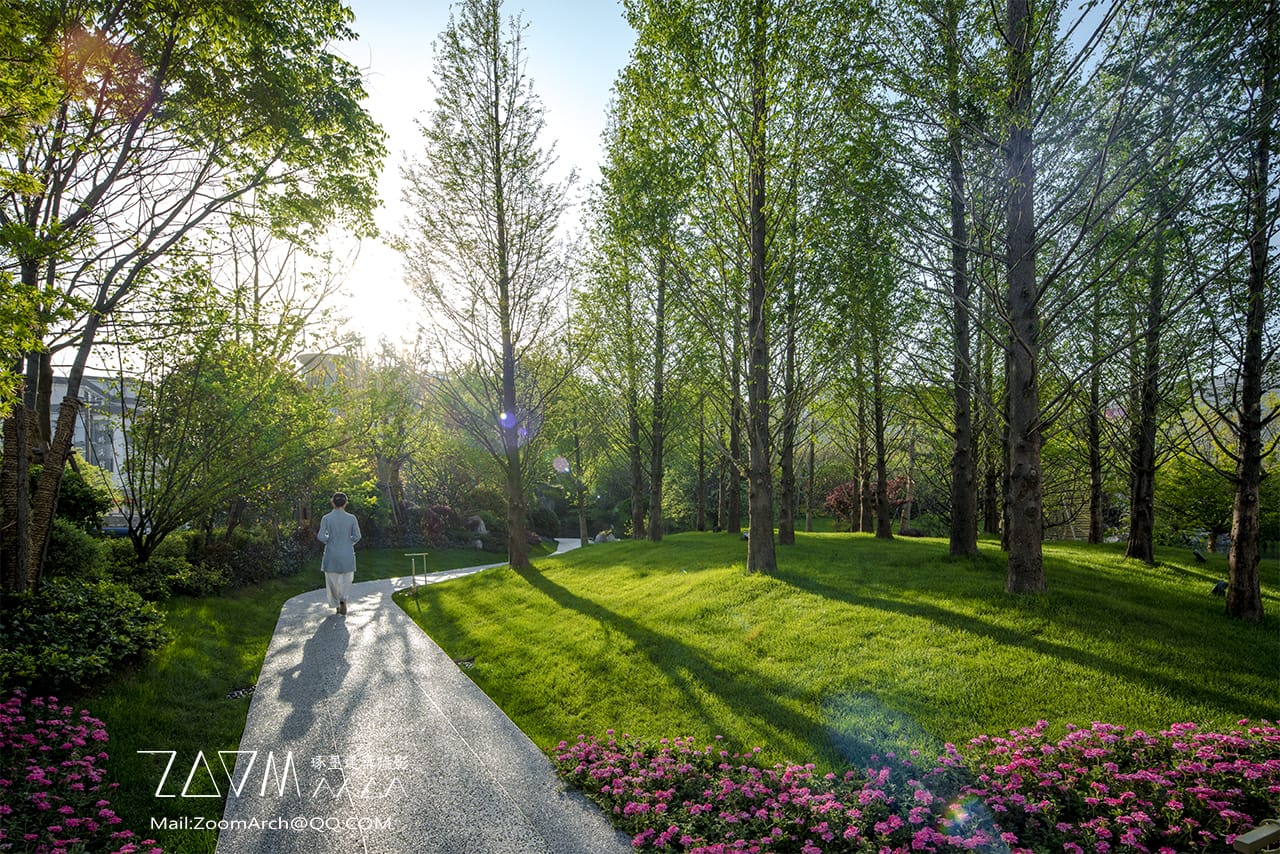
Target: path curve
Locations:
point(363, 736)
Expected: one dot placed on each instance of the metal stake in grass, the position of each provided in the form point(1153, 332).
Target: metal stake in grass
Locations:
point(413, 571)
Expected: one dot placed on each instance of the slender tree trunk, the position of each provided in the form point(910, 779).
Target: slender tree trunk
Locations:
point(761, 556)
point(904, 523)
point(701, 523)
point(788, 496)
point(1142, 470)
point(722, 510)
point(884, 517)
point(517, 515)
point(637, 470)
point(964, 487)
point(658, 433)
point(584, 533)
point(1094, 425)
point(1025, 572)
point(809, 486)
point(734, 482)
point(1244, 585)
point(864, 464)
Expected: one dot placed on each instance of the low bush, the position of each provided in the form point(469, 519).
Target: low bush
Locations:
point(247, 558)
point(74, 633)
point(1096, 789)
point(52, 784)
point(930, 525)
point(73, 552)
point(544, 521)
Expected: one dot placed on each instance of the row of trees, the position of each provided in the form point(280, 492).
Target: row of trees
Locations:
point(831, 241)
point(1046, 230)
point(1054, 236)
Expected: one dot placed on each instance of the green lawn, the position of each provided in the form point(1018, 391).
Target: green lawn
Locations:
point(178, 701)
point(855, 645)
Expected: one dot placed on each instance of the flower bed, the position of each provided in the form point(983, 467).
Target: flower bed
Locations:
point(51, 783)
point(1096, 789)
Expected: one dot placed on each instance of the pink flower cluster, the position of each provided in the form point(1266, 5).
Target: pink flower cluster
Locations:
point(1094, 790)
point(51, 784)
point(1104, 789)
point(676, 796)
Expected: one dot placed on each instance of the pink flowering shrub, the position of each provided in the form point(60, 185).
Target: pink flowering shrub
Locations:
point(676, 796)
point(51, 783)
point(1102, 789)
point(1095, 790)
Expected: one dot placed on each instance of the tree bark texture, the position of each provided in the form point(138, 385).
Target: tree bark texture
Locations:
point(1244, 586)
point(884, 518)
point(761, 556)
point(964, 484)
point(637, 469)
point(658, 433)
point(1142, 461)
point(1025, 573)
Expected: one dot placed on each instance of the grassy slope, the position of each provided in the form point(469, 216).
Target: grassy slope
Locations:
point(178, 700)
point(855, 646)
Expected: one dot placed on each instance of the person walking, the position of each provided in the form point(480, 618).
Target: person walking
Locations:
point(339, 531)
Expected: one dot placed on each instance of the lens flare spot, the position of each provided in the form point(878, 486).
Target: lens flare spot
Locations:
point(561, 465)
point(507, 420)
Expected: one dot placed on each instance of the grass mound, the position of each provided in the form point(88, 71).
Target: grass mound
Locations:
point(854, 647)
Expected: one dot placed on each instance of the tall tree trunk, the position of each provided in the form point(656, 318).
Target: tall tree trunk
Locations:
point(517, 542)
point(788, 494)
point(1142, 469)
point(1244, 585)
point(761, 556)
point(580, 488)
point(734, 481)
point(904, 523)
point(722, 493)
point(809, 483)
point(1025, 573)
point(864, 463)
point(701, 523)
point(964, 486)
point(1094, 421)
point(788, 498)
point(658, 434)
point(884, 518)
point(637, 469)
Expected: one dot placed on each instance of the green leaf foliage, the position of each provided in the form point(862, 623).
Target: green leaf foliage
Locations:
point(74, 633)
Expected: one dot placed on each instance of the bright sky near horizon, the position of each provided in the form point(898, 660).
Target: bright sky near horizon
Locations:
point(574, 48)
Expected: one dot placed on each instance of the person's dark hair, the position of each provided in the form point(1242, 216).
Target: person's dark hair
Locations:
point(339, 499)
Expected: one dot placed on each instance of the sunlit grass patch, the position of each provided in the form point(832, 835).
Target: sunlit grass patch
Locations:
point(854, 646)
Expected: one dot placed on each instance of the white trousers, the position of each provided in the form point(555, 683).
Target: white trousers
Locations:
point(337, 585)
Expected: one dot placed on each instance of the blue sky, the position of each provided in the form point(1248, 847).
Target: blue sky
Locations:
point(575, 49)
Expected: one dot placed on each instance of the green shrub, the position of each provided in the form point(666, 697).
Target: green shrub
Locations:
point(544, 520)
point(247, 558)
point(74, 633)
point(73, 553)
point(930, 525)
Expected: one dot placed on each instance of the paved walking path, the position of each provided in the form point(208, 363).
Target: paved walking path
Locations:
point(370, 739)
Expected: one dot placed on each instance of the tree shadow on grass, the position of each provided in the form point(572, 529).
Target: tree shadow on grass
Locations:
point(1187, 687)
point(751, 694)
